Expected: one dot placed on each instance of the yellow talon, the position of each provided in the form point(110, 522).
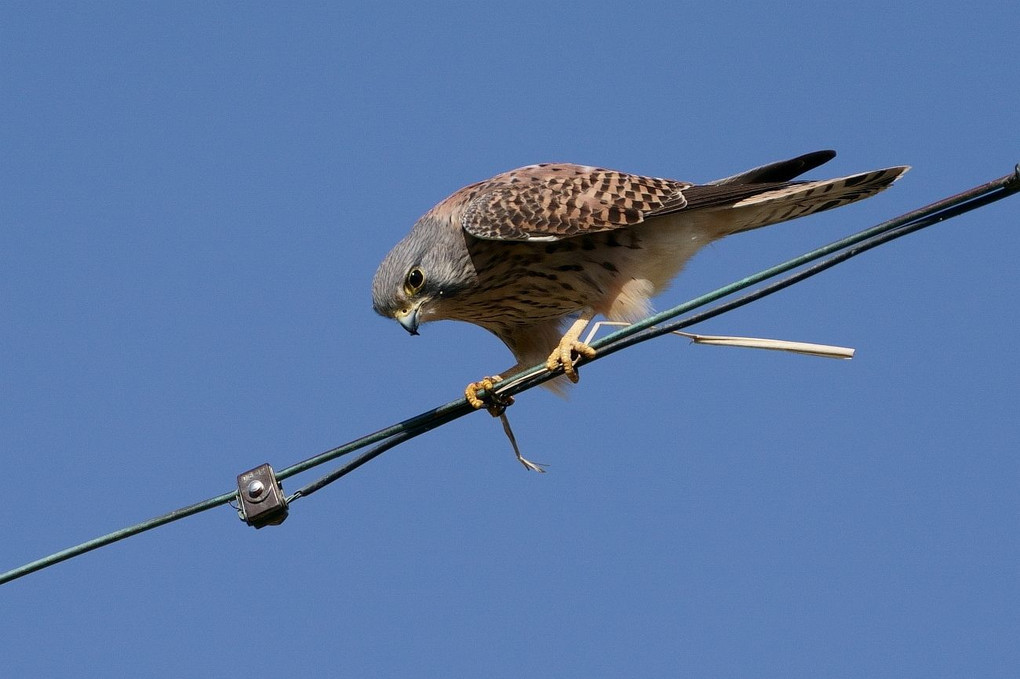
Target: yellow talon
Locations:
point(471, 391)
point(496, 404)
point(563, 356)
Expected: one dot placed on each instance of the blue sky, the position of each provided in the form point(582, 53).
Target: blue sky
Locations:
point(196, 195)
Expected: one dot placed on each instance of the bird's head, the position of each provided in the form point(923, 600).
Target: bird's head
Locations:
point(421, 274)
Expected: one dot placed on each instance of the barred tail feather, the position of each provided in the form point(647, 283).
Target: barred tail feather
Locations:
point(805, 198)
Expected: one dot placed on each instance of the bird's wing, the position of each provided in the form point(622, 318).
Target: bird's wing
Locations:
point(554, 201)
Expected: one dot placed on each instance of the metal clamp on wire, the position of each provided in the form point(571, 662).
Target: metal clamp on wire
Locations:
point(261, 497)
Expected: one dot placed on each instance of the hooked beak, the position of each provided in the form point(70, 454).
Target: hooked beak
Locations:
point(408, 318)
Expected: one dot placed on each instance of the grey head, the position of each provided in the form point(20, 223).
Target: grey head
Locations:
point(423, 273)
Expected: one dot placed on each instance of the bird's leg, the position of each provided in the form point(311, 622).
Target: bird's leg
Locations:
point(570, 344)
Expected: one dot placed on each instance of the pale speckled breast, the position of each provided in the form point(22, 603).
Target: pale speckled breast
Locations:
point(521, 283)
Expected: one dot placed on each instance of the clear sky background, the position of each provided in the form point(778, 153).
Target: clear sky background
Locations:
point(194, 198)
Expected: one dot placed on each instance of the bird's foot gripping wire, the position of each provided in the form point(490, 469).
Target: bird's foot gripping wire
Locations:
point(492, 402)
point(564, 355)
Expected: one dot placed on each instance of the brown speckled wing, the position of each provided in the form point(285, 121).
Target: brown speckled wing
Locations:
point(554, 201)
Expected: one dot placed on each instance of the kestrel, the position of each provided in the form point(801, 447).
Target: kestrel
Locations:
point(520, 253)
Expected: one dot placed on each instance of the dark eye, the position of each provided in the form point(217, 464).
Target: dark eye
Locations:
point(415, 279)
